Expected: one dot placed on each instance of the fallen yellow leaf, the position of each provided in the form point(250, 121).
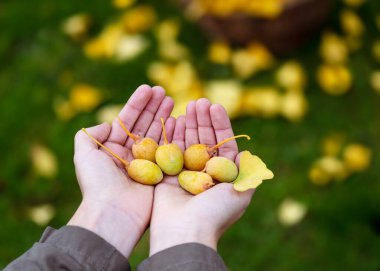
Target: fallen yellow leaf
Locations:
point(252, 172)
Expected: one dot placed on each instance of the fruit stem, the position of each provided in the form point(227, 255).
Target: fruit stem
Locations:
point(134, 137)
point(164, 131)
point(227, 140)
point(124, 162)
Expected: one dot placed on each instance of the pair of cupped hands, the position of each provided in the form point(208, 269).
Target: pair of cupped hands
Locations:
point(120, 210)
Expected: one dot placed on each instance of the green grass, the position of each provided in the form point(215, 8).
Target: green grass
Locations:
point(342, 228)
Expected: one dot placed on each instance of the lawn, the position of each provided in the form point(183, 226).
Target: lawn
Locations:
point(40, 65)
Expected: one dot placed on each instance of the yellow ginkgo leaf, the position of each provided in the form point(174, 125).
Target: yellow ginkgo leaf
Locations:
point(252, 172)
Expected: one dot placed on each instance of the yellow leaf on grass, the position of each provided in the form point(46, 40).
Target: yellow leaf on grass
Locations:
point(219, 52)
point(121, 4)
point(291, 212)
point(357, 157)
point(76, 26)
point(44, 161)
point(252, 172)
point(42, 214)
point(84, 97)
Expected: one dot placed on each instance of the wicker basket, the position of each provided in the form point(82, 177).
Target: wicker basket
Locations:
point(297, 23)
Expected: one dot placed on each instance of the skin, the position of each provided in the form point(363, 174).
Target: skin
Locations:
point(179, 217)
point(113, 206)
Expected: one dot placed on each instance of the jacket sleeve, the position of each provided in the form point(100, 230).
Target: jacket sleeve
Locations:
point(70, 248)
point(186, 257)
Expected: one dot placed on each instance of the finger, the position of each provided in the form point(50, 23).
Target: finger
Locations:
point(223, 130)
point(130, 113)
point(169, 128)
point(155, 129)
point(206, 133)
point(237, 159)
point(179, 132)
point(191, 132)
point(145, 119)
point(84, 144)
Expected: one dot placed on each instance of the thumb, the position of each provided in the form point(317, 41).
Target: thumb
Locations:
point(84, 144)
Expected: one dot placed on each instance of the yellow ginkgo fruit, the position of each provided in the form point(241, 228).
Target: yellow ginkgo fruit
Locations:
point(252, 172)
point(84, 97)
point(334, 79)
point(357, 157)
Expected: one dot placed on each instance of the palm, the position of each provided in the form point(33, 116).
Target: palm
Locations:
point(103, 178)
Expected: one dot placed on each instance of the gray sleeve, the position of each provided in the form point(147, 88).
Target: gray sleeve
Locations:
point(186, 257)
point(70, 248)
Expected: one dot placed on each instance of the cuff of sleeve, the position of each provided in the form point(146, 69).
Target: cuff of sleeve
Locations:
point(185, 257)
point(87, 248)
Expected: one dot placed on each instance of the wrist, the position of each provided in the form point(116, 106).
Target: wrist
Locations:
point(114, 225)
point(166, 237)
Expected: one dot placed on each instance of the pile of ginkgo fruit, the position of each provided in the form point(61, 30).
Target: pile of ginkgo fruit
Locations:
point(198, 168)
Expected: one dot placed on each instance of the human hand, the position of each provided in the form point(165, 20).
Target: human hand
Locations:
point(113, 206)
point(179, 217)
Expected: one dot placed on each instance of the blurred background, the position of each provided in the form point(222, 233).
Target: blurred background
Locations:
point(302, 77)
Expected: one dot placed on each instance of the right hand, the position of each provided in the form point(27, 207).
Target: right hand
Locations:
point(179, 217)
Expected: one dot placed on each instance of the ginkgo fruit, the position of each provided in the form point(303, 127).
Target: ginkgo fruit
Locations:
point(196, 156)
point(142, 148)
point(139, 170)
point(195, 182)
point(169, 157)
point(221, 169)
